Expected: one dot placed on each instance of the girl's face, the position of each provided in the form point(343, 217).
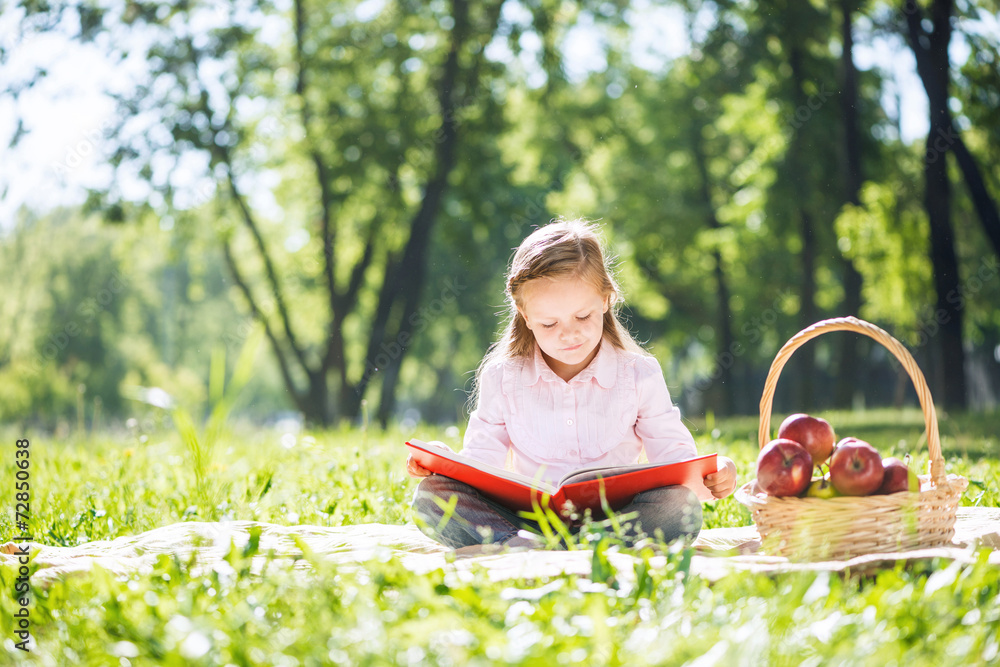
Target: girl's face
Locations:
point(566, 315)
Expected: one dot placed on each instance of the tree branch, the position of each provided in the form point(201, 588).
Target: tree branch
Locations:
point(255, 309)
point(349, 296)
point(345, 304)
point(941, 10)
point(327, 229)
point(914, 22)
point(984, 204)
point(268, 265)
point(411, 266)
point(926, 44)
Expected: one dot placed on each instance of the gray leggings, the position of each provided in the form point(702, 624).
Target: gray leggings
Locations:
point(669, 512)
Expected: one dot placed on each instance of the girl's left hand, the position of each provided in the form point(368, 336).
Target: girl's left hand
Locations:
point(723, 482)
point(414, 469)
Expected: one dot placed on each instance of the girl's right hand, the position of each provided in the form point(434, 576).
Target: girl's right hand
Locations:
point(414, 469)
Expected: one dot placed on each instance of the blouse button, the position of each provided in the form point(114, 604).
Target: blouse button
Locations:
point(569, 421)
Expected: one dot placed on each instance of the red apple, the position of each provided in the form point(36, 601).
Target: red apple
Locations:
point(813, 433)
point(784, 468)
point(856, 468)
point(897, 477)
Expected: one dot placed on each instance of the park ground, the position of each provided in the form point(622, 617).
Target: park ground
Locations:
point(106, 485)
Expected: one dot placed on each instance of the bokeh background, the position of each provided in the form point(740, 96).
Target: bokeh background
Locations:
point(345, 182)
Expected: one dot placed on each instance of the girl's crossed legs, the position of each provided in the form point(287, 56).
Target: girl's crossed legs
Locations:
point(668, 512)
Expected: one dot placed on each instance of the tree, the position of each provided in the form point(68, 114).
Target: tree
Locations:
point(709, 81)
point(354, 160)
point(807, 192)
point(931, 51)
point(348, 111)
point(849, 361)
point(99, 310)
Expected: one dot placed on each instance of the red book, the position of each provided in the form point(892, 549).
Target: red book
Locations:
point(582, 487)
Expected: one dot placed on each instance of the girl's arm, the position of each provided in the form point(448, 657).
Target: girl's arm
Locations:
point(486, 437)
point(664, 435)
point(658, 424)
point(414, 469)
point(723, 482)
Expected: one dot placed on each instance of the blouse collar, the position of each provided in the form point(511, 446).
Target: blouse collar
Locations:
point(603, 367)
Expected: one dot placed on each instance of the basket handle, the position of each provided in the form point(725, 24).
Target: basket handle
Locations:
point(858, 326)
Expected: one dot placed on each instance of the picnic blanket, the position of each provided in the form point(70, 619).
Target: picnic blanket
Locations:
point(718, 551)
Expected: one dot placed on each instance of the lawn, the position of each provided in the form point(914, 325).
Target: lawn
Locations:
point(108, 485)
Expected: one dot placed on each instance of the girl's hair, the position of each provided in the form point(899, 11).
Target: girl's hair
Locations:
point(557, 250)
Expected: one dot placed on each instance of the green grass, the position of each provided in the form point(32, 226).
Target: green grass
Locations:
point(107, 486)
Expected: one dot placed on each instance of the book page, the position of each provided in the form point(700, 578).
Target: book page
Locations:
point(694, 480)
point(587, 474)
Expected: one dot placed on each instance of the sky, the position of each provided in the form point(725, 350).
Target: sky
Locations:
point(67, 116)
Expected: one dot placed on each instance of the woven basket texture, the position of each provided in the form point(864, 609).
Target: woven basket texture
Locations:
point(811, 529)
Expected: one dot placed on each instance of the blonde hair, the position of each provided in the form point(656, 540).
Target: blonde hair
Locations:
point(561, 249)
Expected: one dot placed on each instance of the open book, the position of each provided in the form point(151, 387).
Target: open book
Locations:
point(584, 488)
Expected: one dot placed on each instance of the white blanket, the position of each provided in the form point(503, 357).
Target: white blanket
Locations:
point(718, 551)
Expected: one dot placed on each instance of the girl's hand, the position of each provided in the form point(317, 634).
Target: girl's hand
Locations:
point(723, 482)
point(414, 469)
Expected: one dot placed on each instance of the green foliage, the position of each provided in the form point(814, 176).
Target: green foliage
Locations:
point(222, 399)
point(308, 139)
point(97, 311)
point(62, 295)
point(885, 239)
point(253, 610)
point(384, 615)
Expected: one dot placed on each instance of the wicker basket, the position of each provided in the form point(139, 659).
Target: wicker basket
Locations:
point(811, 529)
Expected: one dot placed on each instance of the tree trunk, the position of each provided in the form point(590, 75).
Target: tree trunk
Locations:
point(413, 266)
point(403, 279)
point(945, 327)
point(807, 310)
point(317, 403)
point(950, 376)
point(848, 373)
point(984, 204)
point(724, 359)
point(805, 356)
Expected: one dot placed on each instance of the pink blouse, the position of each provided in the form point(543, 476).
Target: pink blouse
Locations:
point(604, 416)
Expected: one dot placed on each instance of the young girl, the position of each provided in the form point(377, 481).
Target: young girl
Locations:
point(566, 387)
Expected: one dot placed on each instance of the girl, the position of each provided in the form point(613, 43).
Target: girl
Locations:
point(566, 387)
